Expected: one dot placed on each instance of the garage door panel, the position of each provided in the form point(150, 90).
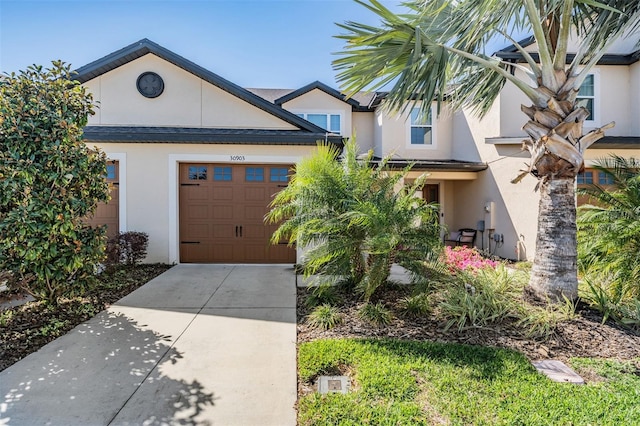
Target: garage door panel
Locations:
point(223, 194)
point(195, 252)
point(254, 214)
point(223, 231)
point(197, 212)
point(223, 253)
point(228, 214)
point(255, 231)
point(255, 252)
point(196, 231)
point(194, 192)
point(222, 212)
point(254, 194)
point(280, 253)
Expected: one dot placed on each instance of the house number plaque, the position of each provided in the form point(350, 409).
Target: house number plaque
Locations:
point(237, 158)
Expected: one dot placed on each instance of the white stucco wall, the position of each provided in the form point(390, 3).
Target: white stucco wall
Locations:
point(515, 206)
point(363, 123)
point(187, 101)
point(634, 89)
point(151, 190)
point(392, 136)
point(614, 101)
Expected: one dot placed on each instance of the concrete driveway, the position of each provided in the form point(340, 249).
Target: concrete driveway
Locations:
point(200, 344)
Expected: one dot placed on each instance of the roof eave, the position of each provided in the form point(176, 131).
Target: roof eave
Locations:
point(319, 86)
point(608, 59)
point(203, 136)
point(146, 46)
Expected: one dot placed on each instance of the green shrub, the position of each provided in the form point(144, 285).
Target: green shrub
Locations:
point(325, 317)
point(128, 247)
point(354, 217)
point(50, 181)
point(418, 305)
point(542, 322)
point(609, 229)
point(484, 297)
point(375, 314)
point(606, 298)
point(322, 295)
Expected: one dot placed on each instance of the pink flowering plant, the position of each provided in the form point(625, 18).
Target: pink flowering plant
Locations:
point(466, 259)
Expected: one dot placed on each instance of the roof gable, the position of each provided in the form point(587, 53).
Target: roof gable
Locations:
point(511, 53)
point(145, 46)
point(317, 85)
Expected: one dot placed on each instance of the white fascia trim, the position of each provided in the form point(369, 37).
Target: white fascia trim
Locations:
point(121, 158)
point(174, 163)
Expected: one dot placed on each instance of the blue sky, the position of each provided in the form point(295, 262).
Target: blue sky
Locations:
point(258, 43)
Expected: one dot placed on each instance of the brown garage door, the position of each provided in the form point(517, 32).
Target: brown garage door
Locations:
point(108, 213)
point(222, 208)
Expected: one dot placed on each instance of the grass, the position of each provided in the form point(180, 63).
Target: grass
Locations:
point(424, 383)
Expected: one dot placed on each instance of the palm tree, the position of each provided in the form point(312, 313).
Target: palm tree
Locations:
point(609, 229)
point(354, 218)
point(435, 51)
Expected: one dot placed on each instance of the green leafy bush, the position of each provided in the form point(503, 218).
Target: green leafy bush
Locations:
point(609, 228)
point(481, 298)
point(375, 314)
point(50, 181)
point(127, 247)
point(354, 217)
point(322, 295)
point(418, 305)
point(542, 321)
point(325, 317)
point(600, 294)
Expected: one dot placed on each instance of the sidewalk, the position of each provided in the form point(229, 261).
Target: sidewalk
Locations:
point(200, 344)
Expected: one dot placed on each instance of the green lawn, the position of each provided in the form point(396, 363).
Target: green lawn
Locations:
point(424, 383)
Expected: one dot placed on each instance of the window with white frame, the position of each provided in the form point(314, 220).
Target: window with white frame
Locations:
point(328, 121)
point(421, 133)
point(587, 97)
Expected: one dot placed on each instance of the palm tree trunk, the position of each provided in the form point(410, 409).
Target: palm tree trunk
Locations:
point(555, 264)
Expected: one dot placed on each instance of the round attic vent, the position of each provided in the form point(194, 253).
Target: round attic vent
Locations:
point(150, 84)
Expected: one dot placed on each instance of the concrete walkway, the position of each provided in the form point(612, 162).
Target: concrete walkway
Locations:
point(200, 344)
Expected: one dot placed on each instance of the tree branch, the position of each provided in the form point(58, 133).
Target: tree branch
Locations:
point(527, 57)
point(531, 92)
point(546, 63)
point(560, 56)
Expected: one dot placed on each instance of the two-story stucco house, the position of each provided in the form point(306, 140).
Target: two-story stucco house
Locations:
point(195, 159)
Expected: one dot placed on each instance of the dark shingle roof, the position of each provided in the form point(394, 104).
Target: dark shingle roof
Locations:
point(361, 101)
point(442, 165)
point(617, 142)
point(145, 46)
point(137, 134)
point(319, 86)
point(511, 53)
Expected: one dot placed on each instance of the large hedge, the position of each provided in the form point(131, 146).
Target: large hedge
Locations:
point(50, 181)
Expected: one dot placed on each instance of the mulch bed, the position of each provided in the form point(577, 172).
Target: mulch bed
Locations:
point(583, 336)
point(32, 325)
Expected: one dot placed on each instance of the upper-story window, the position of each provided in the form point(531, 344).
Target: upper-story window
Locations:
point(328, 121)
point(422, 132)
point(588, 98)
